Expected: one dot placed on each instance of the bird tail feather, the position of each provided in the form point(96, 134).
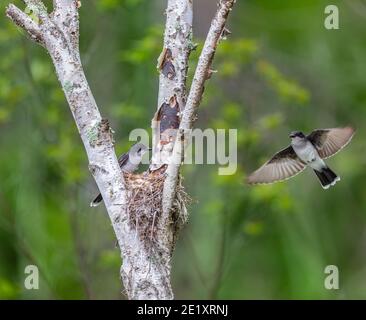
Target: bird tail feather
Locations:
point(327, 177)
point(96, 202)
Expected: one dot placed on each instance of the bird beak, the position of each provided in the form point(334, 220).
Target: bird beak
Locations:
point(292, 135)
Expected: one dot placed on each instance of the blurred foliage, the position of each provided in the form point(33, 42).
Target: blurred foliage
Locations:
point(280, 70)
point(286, 89)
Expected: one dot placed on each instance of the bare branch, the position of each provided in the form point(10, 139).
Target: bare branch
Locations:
point(65, 15)
point(58, 4)
point(202, 73)
point(143, 278)
point(25, 22)
point(173, 67)
point(57, 34)
point(204, 62)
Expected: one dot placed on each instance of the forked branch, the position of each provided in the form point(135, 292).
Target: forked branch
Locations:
point(202, 73)
point(58, 32)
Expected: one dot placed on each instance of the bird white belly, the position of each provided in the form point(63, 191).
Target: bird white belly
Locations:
point(307, 153)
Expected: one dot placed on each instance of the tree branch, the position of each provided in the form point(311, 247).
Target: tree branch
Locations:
point(202, 74)
point(59, 31)
point(173, 68)
point(25, 22)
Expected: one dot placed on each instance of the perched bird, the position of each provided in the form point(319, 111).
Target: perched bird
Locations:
point(128, 162)
point(305, 151)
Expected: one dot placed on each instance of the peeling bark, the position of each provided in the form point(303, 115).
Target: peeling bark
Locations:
point(203, 72)
point(59, 34)
point(173, 67)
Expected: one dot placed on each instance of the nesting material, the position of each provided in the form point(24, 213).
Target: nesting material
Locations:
point(145, 193)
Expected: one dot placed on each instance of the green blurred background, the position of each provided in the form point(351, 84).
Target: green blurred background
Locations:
point(280, 70)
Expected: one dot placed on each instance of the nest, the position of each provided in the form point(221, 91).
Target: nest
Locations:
point(145, 194)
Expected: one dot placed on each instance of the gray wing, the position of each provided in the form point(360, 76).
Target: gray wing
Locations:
point(329, 141)
point(283, 165)
point(122, 160)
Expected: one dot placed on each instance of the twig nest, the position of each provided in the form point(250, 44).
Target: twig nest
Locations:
point(144, 198)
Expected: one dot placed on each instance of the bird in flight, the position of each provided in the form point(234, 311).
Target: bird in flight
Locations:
point(310, 150)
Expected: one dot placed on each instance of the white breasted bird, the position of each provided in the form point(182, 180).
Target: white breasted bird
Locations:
point(310, 150)
point(128, 162)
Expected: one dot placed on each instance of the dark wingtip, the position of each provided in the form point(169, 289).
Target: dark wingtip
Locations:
point(96, 201)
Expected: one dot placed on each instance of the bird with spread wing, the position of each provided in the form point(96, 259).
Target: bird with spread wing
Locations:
point(304, 151)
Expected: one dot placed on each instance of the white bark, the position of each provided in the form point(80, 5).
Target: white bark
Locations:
point(58, 33)
point(145, 271)
point(173, 67)
point(202, 73)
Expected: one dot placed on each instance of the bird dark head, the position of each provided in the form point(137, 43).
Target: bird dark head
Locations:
point(296, 134)
point(138, 149)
